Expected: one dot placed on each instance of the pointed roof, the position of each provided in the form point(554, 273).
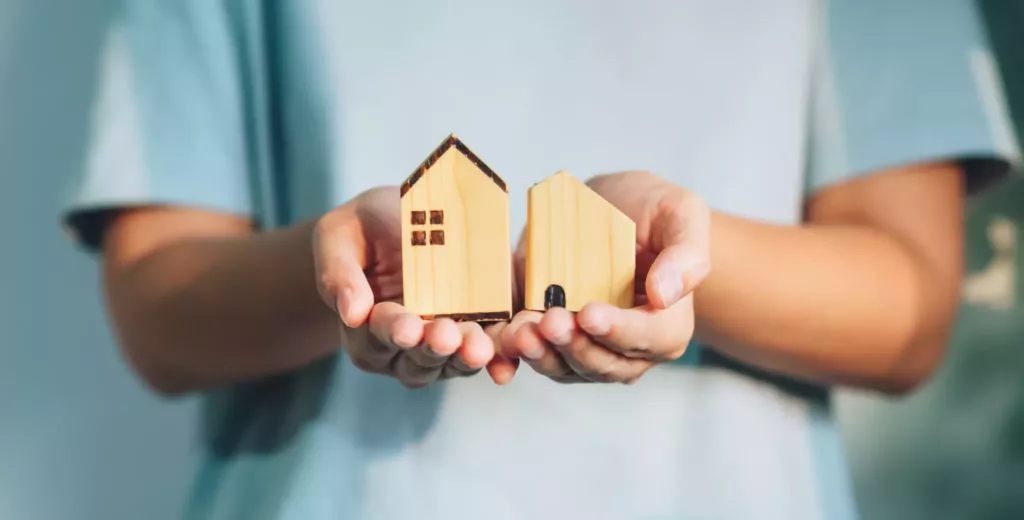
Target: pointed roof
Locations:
point(562, 175)
point(449, 142)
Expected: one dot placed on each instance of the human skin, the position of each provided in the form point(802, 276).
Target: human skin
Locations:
point(862, 293)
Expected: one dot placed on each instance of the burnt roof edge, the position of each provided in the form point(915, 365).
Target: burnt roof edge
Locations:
point(449, 142)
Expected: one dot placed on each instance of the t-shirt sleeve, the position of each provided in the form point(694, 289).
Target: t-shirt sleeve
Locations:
point(169, 119)
point(898, 83)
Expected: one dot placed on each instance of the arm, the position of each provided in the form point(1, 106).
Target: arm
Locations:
point(863, 294)
point(198, 300)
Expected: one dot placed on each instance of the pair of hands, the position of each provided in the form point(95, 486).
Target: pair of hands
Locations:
point(358, 254)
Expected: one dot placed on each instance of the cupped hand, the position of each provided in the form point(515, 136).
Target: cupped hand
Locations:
point(603, 343)
point(358, 255)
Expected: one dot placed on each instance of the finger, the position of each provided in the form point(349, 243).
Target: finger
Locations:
point(395, 327)
point(582, 355)
point(441, 338)
point(558, 325)
point(641, 332)
point(681, 234)
point(339, 256)
point(372, 357)
point(476, 351)
point(594, 362)
point(477, 348)
point(548, 362)
point(404, 331)
point(501, 369)
point(507, 344)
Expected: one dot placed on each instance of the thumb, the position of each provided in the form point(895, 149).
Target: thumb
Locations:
point(340, 255)
point(681, 233)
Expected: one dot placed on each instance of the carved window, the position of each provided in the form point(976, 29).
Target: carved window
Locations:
point(419, 218)
point(419, 238)
point(437, 237)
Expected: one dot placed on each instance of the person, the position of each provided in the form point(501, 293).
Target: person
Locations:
point(799, 230)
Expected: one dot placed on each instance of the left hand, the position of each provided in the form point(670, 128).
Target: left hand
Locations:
point(604, 343)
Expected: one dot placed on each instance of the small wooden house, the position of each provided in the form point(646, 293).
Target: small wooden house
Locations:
point(456, 252)
point(579, 247)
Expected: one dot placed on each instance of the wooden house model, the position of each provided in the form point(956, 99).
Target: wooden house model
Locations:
point(579, 247)
point(456, 252)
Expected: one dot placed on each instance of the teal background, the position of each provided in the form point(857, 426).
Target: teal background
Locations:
point(79, 437)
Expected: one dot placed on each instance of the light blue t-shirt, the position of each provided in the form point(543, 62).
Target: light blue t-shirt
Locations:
point(281, 110)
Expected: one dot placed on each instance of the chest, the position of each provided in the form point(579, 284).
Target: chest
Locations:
point(711, 95)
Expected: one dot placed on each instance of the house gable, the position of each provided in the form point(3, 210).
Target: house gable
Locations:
point(564, 177)
point(451, 142)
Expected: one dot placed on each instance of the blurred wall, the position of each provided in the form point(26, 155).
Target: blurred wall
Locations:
point(79, 437)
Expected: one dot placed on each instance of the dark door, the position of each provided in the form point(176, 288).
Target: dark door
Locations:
point(554, 296)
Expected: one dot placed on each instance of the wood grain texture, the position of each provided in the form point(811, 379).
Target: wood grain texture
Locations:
point(579, 241)
point(470, 273)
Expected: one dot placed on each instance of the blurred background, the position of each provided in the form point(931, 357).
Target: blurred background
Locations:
point(108, 449)
point(953, 450)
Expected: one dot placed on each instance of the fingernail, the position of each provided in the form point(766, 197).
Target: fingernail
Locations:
point(670, 285)
point(345, 304)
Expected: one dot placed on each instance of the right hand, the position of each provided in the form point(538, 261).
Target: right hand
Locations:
point(358, 253)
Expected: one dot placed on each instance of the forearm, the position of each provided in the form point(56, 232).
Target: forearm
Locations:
point(204, 312)
point(836, 304)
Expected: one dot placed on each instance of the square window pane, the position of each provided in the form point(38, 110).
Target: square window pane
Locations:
point(419, 218)
point(436, 216)
point(437, 237)
point(419, 238)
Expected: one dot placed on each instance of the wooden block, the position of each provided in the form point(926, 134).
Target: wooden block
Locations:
point(456, 251)
point(579, 248)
